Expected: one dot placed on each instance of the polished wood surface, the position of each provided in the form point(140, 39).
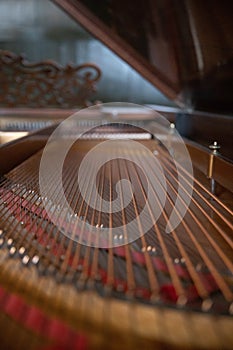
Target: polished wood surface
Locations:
point(183, 47)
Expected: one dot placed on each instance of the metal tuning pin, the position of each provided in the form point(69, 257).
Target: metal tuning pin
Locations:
point(172, 127)
point(214, 147)
point(170, 136)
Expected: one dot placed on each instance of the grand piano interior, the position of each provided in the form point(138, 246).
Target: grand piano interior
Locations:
point(142, 72)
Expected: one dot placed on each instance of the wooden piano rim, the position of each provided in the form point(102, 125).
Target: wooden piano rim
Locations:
point(127, 323)
point(14, 152)
point(223, 169)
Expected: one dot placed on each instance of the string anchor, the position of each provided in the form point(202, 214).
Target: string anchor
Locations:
point(214, 147)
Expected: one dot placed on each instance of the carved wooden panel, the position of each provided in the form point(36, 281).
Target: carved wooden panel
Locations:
point(45, 84)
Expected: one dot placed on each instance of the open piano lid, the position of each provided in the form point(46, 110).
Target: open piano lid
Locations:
point(184, 47)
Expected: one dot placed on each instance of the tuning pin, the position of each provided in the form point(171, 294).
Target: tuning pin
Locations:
point(35, 259)
point(170, 137)
point(172, 126)
point(9, 242)
point(12, 251)
point(21, 251)
point(206, 305)
point(25, 259)
point(182, 300)
point(214, 147)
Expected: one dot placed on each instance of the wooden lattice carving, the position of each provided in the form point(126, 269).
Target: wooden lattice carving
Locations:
point(45, 84)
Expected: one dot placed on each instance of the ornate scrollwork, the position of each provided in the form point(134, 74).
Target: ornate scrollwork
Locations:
point(45, 84)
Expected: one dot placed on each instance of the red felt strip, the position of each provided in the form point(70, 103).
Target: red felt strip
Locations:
point(36, 320)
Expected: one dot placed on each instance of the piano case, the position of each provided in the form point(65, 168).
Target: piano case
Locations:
point(61, 286)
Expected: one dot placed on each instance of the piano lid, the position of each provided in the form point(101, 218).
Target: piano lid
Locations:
point(183, 47)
